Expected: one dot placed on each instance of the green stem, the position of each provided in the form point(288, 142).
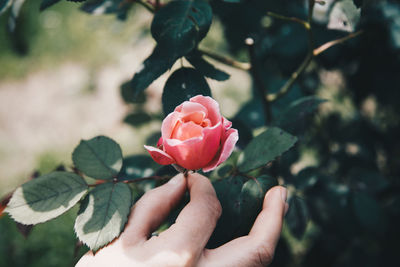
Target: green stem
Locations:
point(226, 60)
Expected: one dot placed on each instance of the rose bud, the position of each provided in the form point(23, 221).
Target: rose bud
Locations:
point(195, 136)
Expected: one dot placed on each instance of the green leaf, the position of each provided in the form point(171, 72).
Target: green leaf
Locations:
point(4, 5)
point(183, 84)
point(241, 203)
point(138, 118)
point(228, 192)
point(195, 58)
point(344, 16)
point(264, 148)
point(297, 216)
point(180, 25)
point(153, 67)
point(137, 166)
point(251, 198)
point(295, 114)
point(46, 197)
point(47, 3)
point(99, 157)
point(128, 96)
point(15, 9)
point(368, 212)
point(103, 214)
point(97, 7)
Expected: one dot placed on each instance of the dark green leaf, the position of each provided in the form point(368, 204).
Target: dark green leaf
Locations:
point(297, 216)
point(251, 198)
point(228, 192)
point(307, 178)
point(153, 67)
point(103, 214)
point(241, 203)
point(128, 96)
point(180, 25)
point(99, 157)
point(137, 166)
point(195, 58)
point(224, 169)
point(15, 9)
point(344, 16)
point(98, 7)
point(182, 85)
point(264, 148)
point(138, 118)
point(294, 115)
point(368, 212)
point(47, 3)
point(4, 5)
point(46, 197)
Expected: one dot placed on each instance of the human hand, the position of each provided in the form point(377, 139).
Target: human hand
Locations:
point(183, 244)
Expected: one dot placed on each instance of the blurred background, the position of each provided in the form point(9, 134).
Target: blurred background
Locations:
point(60, 81)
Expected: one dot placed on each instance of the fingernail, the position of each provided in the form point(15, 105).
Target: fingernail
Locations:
point(176, 180)
point(283, 194)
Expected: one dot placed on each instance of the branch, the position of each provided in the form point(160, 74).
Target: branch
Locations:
point(289, 83)
point(133, 180)
point(143, 3)
point(226, 60)
point(286, 87)
point(329, 44)
point(294, 19)
point(259, 82)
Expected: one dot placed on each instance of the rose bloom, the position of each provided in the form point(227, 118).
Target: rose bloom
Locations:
point(195, 136)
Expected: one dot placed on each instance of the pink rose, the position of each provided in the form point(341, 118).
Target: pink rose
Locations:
point(195, 136)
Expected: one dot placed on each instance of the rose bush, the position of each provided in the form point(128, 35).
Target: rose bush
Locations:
point(195, 136)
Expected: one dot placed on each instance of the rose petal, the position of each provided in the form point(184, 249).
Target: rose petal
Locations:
point(168, 125)
point(228, 142)
point(186, 131)
point(159, 156)
point(160, 142)
point(194, 153)
point(227, 124)
point(188, 107)
point(211, 105)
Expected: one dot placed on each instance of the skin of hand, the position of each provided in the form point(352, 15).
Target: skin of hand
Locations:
point(183, 244)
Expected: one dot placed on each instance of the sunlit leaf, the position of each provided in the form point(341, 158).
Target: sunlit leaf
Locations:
point(103, 214)
point(4, 5)
point(46, 197)
point(344, 16)
point(99, 157)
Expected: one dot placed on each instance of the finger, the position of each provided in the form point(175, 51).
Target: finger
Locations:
point(197, 220)
point(256, 249)
point(152, 209)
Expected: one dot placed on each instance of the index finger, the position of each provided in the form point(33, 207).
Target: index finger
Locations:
point(197, 220)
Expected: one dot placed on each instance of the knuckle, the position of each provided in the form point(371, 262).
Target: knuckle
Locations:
point(263, 255)
point(214, 206)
